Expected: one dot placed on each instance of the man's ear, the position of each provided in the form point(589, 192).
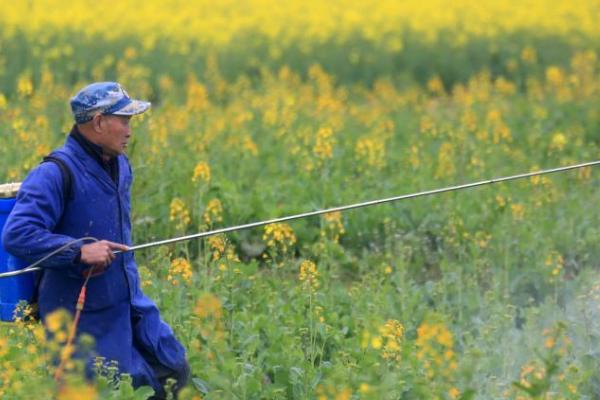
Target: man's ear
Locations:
point(97, 123)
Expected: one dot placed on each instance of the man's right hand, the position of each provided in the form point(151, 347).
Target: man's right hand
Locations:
point(99, 255)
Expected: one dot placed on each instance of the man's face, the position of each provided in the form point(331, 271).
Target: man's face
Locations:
point(116, 134)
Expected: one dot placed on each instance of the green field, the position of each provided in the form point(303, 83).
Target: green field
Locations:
point(487, 293)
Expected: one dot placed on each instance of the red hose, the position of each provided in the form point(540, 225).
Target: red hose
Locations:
point(66, 354)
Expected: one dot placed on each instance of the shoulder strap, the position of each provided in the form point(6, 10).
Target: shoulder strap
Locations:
point(65, 172)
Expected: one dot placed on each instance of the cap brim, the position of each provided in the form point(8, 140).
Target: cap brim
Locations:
point(134, 108)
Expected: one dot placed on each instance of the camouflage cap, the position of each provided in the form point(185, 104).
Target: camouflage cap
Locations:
point(104, 98)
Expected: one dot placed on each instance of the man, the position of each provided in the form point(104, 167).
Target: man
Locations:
point(125, 324)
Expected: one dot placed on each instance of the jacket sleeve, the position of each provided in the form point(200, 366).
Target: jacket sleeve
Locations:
point(28, 233)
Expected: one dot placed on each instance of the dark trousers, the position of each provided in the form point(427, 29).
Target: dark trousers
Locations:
point(162, 373)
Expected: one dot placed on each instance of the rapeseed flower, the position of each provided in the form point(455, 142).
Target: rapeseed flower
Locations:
point(57, 320)
point(371, 152)
point(77, 392)
point(530, 373)
point(529, 55)
point(208, 306)
point(555, 76)
point(279, 236)
point(146, 278)
point(309, 276)
point(331, 392)
point(393, 333)
point(518, 211)
point(180, 269)
point(213, 212)
point(413, 157)
point(3, 347)
point(333, 227)
point(584, 173)
point(201, 172)
point(197, 96)
point(435, 349)
point(217, 246)
point(555, 263)
point(436, 86)
point(24, 86)
point(324, 142)
point(453, 393)
point(364, 388)
point(249, 145)
point(179, 214)
point(558, 142)
point(445, 167)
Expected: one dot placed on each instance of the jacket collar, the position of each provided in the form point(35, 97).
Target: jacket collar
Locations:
point(111, 167)
point(92, 149)
point(93, 161)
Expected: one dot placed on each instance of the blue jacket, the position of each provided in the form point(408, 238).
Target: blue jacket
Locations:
point(124, 322)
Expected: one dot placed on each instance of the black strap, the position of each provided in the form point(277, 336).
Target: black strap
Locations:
point(66, 175)
point(67, 180)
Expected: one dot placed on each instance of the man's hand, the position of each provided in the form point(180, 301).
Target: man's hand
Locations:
point(99, 255)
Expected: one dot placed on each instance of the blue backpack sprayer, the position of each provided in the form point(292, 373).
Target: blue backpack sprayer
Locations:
point(19, 287)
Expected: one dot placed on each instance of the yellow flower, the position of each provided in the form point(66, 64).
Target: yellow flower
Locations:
point(555, 262)
point(24, 86)
point(208, 305)
point(344, 394)
point(392, 329)
point(365, 339)
point(217, 245)
point(3, 346)
point(413, 158)
point(453, 393)
point(371, 152)
point(446, 156)
point(392, 332)
point(79, 392)
point(179, 213)
point(501, 201)
point(333, 227)
point(309, 275)
point(197, 96)
point(201, 172)
point(435, 85)
point(555, 76)
point(445, 338)
point(584, 173)
point(249, 145)
point(558, 142)
point(180, 267)
point(435, 347)
point(376, 342)
point(482, 239)
point(57, 320)
point(323, 148)
point(279, 236)
point(146, 278)
point(529, 55)
point(518, 211)
point(213, 212)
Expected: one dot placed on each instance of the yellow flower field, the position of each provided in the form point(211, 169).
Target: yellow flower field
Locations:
point(263, 109)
